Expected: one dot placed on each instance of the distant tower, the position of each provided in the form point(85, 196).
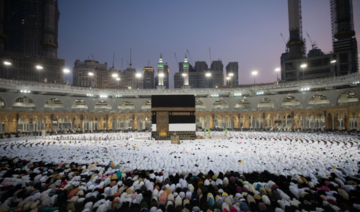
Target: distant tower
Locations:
point(344, 40)
point(51, 17)
point(186, 71)
point(296, 43)
point(161, 72)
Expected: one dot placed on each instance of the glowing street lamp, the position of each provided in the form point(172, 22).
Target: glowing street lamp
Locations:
point(7, 64)
point(208, 75)
point(91, 78)
point(138, 75)
point(38, 67)
point(333, 64)
point(303, 66)
point(228, 79)
point(66, 71)
point(277, 70)
point(254, 73)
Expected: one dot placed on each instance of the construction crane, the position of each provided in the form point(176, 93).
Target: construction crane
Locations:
point(92, 57)
point(149, 63)
point(313, 44)
point(176, 60)
point(189, 55)
point(286, 49)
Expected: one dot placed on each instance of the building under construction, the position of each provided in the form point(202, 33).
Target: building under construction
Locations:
point(342, 60)
point(29, 39)
point(24, 67)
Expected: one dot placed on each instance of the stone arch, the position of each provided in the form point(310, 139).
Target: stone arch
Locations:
point(79, 104)
point(318, 100)
point(266, 103)
point(347, 97)
point(290, 102)
point(126, 106)
point(103, 105)
point(24, 103)
point(220, 105)
point(53, 103)
point(243, 103)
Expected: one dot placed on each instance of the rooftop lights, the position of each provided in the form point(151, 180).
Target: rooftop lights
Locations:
point(237, 94)
point(355, 83)
point(118, 96)
point(25, 91)
point(304, 89)
point(103, 96)
point(89, 94)
point(214, 95)
point(260, 93)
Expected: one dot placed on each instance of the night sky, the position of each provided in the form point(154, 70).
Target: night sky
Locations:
point(236, 30)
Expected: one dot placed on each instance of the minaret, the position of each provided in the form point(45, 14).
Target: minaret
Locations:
point(295, 43)
point(161, 74)
point(161, 71)
point(50, 22)
point(186, 71)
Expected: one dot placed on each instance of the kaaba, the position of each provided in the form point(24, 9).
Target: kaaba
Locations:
point(172, 114)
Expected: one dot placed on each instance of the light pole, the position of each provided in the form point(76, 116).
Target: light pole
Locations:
point(115, 76)
point(208, 75)
point(7, 64)
point(39, 68)
point(91, 78)
point(333, 64)
point(277, 70)
point(254, 73)
point(66, 71)
point(303, 66)
point(138, 75)
point(118, 80)
point(231, 75)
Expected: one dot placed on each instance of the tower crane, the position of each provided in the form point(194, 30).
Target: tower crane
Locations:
point(189, 55)
point(286, 49)
point(176, 59)
point(313, 44)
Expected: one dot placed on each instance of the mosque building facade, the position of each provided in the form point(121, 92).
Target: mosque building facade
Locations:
point(323, 104)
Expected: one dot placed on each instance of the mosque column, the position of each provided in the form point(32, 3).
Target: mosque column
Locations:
point(358, 122)
point(82, 126)
point(23, 126)
point(143, 124)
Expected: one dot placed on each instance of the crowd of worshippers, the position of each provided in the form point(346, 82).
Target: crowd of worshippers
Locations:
point(43, 186)
point(247, 171)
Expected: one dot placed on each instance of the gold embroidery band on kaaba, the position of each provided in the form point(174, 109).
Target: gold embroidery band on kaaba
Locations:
point(173, 109)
